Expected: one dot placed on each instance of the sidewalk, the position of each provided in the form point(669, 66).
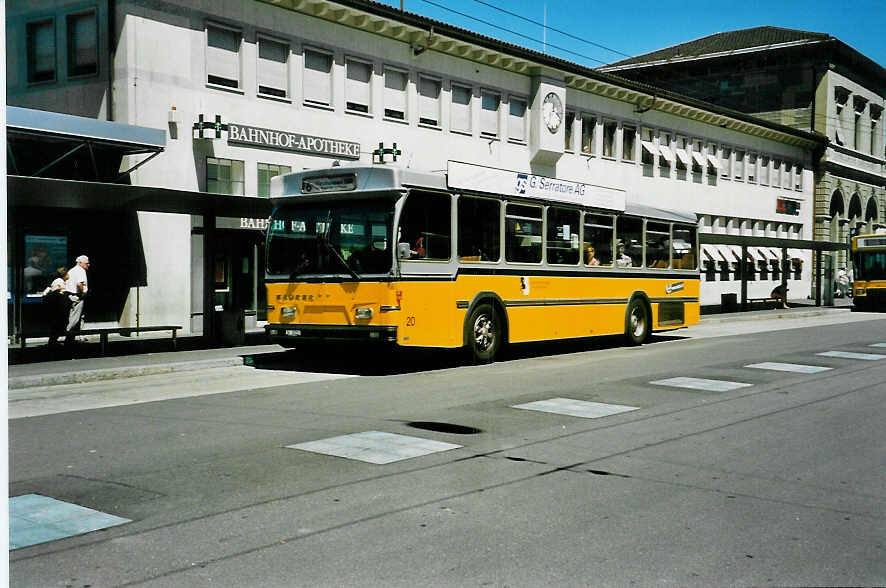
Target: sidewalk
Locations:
point(88, 369)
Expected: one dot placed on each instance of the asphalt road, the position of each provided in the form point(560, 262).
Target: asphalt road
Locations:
point(779, 482)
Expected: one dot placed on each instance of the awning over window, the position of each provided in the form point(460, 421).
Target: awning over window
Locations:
point(698, 158)
point(684, 157)
point(795, 254)
point(712, 159)
point(666, 153)
point(649, 146)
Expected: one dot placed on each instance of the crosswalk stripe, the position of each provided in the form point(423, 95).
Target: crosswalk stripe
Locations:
point(577, 408)
point(701, 384)
point(850, 355)
point(788, 367)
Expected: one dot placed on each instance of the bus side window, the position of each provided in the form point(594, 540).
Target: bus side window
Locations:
point(425, 225)
point(629, 231)
point(479, 229)
point(658, 236)
point(523, 232)
point(597, 246)
point(562, 241)
point(683, 247)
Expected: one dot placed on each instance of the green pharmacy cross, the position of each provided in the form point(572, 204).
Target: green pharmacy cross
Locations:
point(382, 151)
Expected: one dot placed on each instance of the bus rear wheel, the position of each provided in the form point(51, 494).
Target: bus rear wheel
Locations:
point(484, 333)
point(637, 324)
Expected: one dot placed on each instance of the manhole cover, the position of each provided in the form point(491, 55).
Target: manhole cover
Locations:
point(444, 428)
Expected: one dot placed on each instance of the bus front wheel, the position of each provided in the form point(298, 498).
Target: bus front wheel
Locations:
point(637, 323)
point(484, 333)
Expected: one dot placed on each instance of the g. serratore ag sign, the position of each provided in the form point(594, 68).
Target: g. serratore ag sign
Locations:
point(286, 141)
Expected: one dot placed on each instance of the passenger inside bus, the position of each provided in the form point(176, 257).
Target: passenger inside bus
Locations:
point(590, 255)
point(622, 259)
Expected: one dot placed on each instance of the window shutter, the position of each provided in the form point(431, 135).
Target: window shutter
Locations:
point(223, 54)
point(357, 84)
point(429, 101)
point(272, 72)
point(461, 108)
point(395, 92)
point(318, 77)
point(489, 113)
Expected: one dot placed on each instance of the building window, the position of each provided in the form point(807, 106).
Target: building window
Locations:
point(725, 161)
point(266, 171)
point(517, 119)
point(318, 77)
point(429, 101)
point(876, 132)
point(859, 105)
point(798, 177)
point(609, 129)
point(786, 180)
point(752, 168)
point(273, 73)
point(713, 163)
point(682, 162)
point(647, 147)
point(698, 161)
point(358, 75)
point(667, 156)
point(764, 170)
point(738, 167)
point(224, 176)
point(395, 93)
point(490, 101)
point(223, 56)
point(629, 143)
point(82, 44)
point(568, 134)
point(588, 134)
point(775, 175)
point(41, 50)
point(460, 110)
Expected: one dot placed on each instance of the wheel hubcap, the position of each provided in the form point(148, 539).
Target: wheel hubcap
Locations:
point(638, 322)
point(484, 332)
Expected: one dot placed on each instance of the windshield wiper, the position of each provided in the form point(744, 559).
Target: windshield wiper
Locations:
point(324, 238)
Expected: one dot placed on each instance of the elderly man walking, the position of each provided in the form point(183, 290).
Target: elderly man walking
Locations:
point(76, 288)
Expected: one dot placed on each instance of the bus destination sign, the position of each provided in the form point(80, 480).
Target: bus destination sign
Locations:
point(500, 181)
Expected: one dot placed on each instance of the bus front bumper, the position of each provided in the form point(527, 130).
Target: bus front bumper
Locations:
point(290, 334)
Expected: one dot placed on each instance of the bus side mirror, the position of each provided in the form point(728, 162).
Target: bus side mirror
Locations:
point(403, 251)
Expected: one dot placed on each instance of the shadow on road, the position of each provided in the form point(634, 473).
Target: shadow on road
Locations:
point(374, 360)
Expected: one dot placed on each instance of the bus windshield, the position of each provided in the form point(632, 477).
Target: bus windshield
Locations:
point(331, 238)
point(870, 265)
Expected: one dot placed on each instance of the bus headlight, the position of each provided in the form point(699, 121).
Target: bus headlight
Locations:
point(288, 312)
point(859, 291)
point(362, 314)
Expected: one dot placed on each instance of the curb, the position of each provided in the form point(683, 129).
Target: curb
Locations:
point(119, 372)
point(778, 315)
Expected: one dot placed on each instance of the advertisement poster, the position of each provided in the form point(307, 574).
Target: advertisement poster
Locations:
point(43, 254)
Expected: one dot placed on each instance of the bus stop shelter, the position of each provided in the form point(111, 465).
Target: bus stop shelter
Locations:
point(819, 250)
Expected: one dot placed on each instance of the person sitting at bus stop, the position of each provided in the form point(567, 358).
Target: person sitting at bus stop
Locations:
point(780, 293)
point(621, 258)
point(590, 253)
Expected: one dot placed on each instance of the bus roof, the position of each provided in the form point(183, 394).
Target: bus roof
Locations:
point(339, 182)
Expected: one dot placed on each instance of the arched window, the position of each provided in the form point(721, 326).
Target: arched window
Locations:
point(837, 204)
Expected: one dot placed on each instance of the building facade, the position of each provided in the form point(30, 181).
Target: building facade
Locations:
point(810, 81)
point(249, 90)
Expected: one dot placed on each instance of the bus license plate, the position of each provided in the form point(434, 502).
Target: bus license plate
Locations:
point(293, 332)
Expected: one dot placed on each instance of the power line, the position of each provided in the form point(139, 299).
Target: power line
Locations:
point(487, 23)
point(564, 33)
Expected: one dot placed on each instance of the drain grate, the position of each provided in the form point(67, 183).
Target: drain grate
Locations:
point(444, 428)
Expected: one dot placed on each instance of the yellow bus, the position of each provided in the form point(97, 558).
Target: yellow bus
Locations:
point(471, 257)
point(869, 270)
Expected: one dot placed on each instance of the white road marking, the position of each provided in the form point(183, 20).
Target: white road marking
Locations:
point(701, 384)
point(878, 345)
point(28, 402)
point(375, 447)
point(576, 408)
point(788, 367)
point(850, 355)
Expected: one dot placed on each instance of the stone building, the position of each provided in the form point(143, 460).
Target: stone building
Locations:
point(810, 81)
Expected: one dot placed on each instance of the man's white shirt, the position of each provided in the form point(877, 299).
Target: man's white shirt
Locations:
point(76, 275)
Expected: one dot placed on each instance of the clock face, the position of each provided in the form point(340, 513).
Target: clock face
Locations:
point(552, 112)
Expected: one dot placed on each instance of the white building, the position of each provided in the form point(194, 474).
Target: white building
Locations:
point(302, 84)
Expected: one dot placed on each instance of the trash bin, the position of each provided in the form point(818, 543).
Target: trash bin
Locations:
point(231, 327)
point(728, 302)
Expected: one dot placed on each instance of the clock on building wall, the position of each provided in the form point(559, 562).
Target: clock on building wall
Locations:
point(552, 111)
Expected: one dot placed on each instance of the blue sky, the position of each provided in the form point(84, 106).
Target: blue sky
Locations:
point(637, 27)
